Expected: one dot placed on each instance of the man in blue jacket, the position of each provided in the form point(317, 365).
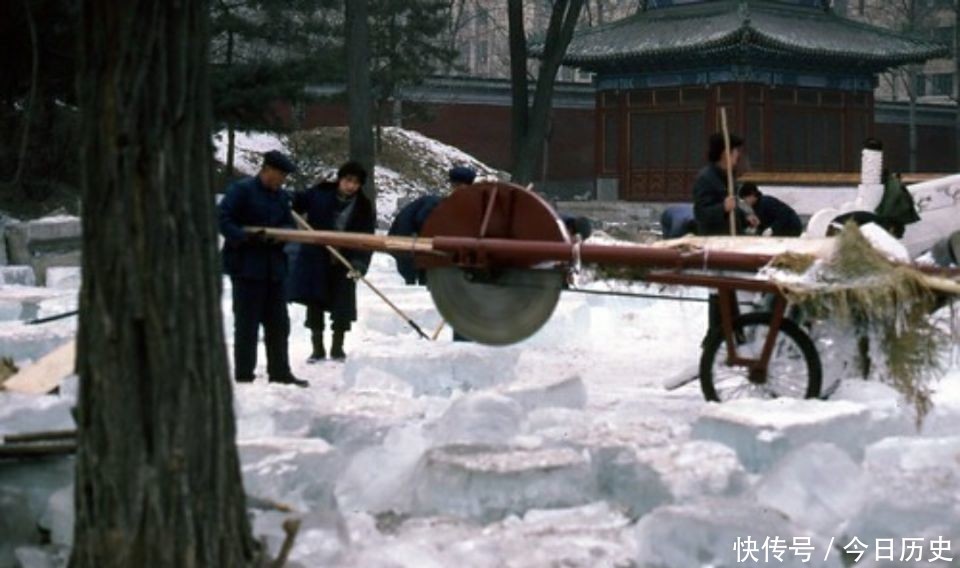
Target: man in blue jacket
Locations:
point(258, 268)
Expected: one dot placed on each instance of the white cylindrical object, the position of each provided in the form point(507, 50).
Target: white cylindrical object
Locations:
point(871, 166)
point(869, 196)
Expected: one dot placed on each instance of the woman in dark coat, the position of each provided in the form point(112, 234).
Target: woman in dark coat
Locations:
point(318, 279)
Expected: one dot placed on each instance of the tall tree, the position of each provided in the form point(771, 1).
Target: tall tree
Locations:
point(158, 478)
point(37, 113)
point(359, 95)
point(409, 44)
point(955, 51)
point(529, 124)
point(266, 51)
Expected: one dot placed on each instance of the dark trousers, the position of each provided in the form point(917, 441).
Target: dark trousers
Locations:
point(256, 303)
point(315, 318)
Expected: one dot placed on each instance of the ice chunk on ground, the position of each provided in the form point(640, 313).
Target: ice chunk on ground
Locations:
point(296, 472)
point(706, 534)
point(21, 275)
point(379, 380)
point(913, 489)
point(17, 523)
point(696, 469)
point(943, 418)
point(631, 484)
point(42, 556)
point(539, 390)
point(763, 431)
point(441, 369)
point(488, 482)
point(569, 427)
point(592, 535)
point(63, 277)
point(23, 413)
point(34, 341)
point(398, 554)
point(58, 518)
point(358, 419)
point(25, 489)
point(479, 418)
point(344, 418)
point(380, 478)
point(817, 486)
point(566, 325)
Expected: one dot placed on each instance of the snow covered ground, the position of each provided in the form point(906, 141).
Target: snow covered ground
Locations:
point(563, 450)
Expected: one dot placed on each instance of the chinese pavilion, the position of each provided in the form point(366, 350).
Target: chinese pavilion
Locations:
point(796, 79)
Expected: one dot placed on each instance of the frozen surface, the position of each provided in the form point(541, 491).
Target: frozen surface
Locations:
point(563, 450)
point(762, 432)
point(818, 485)
point(705, 534)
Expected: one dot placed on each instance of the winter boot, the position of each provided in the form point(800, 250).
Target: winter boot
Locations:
point(319, 352)
point(336, 350)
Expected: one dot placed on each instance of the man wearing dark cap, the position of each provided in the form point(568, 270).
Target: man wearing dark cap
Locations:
point(712, 202)
point(411, 217)
point(258, 268)
point(319, 280)
point(461, 176)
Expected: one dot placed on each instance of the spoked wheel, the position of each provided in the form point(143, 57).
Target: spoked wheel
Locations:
point(794, 370)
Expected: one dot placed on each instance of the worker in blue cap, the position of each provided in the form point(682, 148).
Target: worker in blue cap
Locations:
point(257, 268)
point(411, 218)
point(461, 176)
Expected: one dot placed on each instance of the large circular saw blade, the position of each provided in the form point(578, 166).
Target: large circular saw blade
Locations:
point(497, 308)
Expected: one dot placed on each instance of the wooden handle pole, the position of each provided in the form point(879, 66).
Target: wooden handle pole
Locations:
point(729, 168)
point(343, 260)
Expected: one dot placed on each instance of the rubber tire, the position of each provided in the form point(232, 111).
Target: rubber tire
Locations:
point(716, 340)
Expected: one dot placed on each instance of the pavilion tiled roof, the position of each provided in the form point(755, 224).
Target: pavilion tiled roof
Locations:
point(732, 27)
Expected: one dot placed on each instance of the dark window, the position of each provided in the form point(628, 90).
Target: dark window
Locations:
point(941, 84)
point(943, 35)
point(782, 95)
point(694, 96)
point(754, 136)
point(831, 98)
point(668, 97)
point(641, 98)
point(610, 99)
point(920, 85)
point(696, 139)
point(639, 134)
point(677, 135)
point(726, 94)
point(755, 94)
point(611, 141)
point(808, 97)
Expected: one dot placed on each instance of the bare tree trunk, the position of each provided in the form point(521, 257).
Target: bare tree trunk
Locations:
point(359, 94)
point(912, 114)
point(231, 134)
point(563, 22)
point(158, 477)
point(956, 77)
point(519, 88)
point(32, 99)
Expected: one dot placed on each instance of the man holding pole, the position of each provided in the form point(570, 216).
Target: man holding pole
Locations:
point(320, 280)
point(713, 201)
